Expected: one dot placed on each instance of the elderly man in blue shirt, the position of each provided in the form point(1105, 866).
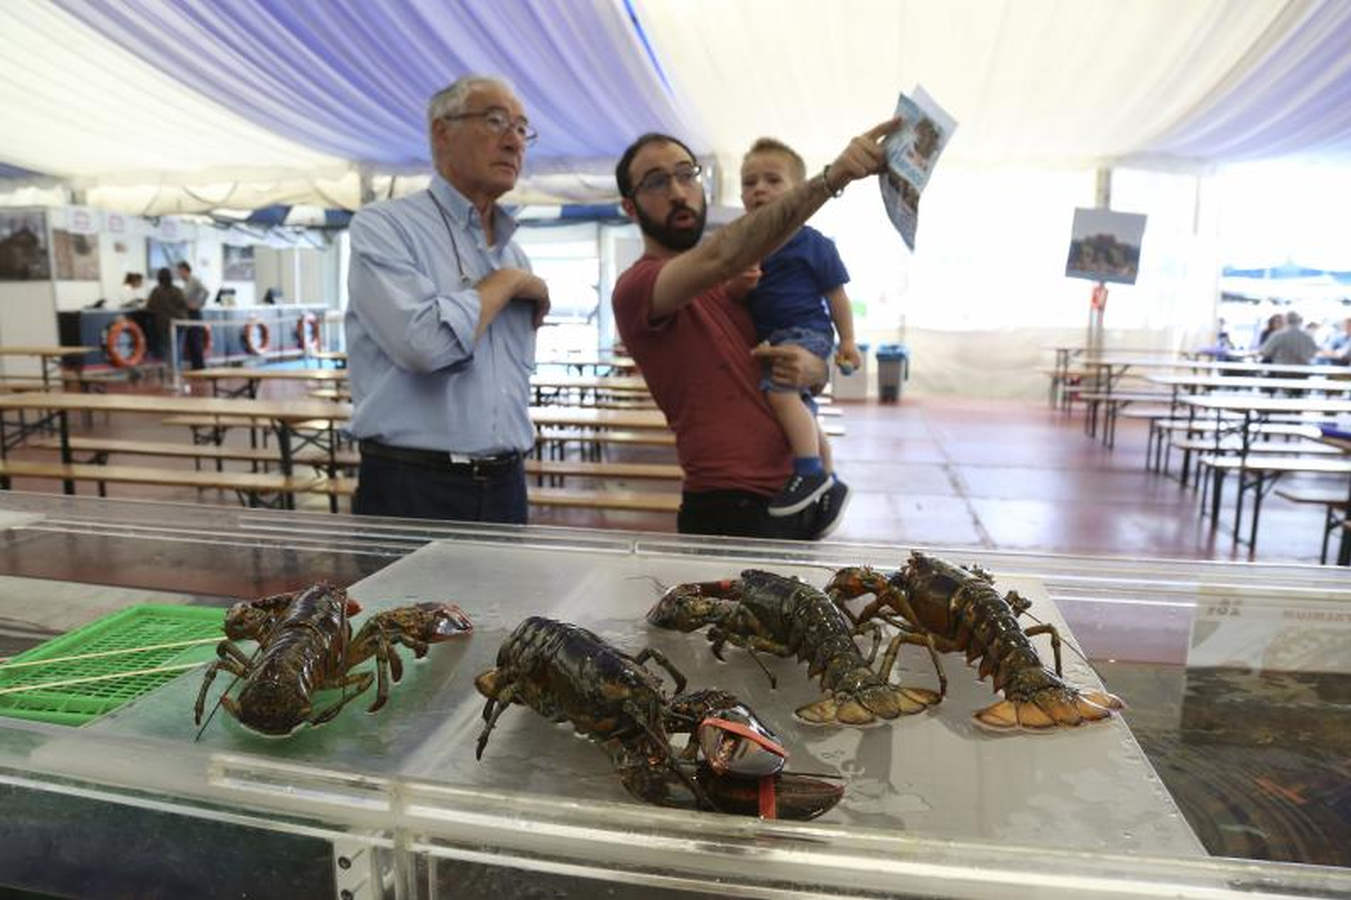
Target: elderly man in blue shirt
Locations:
point(441, 324)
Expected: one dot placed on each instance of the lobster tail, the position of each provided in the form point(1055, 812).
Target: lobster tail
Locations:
point(1037, 700)
point(866, 701)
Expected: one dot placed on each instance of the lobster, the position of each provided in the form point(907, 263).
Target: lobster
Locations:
point(787, 617)
point(305, 644)
point(948, 609)
point(568, 674)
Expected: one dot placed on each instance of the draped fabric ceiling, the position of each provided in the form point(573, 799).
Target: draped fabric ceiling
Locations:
point(154, 106)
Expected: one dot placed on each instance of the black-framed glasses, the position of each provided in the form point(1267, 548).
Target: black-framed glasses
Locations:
point(498, 121)
point(656, 182)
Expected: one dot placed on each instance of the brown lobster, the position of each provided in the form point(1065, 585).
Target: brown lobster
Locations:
point(731, 762)
point(786, 617)
point(949, 609)
point(305, 644)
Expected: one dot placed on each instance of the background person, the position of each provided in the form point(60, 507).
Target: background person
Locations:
point(132, 291)
point(441, 324)
point(1274, 324)
point(166, 303)
point(1291, 346)
point(694, 344)
point(196, 294)
point(1338, 349)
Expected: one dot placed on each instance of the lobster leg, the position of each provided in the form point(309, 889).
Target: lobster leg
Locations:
point(926, 640)
point(676, 675)
point(1055, 641)
point(387, 666)
point(363, 681)
point(232, 660)
point(877, 638)
point(502, 699)
point(750, 643)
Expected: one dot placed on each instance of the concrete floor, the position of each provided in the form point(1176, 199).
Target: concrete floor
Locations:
point(941, 471)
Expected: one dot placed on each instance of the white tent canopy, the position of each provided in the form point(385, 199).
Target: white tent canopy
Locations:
point(1039, 83)
point(80, 106)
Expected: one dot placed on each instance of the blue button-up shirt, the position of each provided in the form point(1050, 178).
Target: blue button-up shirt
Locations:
point(419, 378)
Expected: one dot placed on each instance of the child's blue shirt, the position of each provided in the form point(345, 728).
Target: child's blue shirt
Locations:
point(793, 282)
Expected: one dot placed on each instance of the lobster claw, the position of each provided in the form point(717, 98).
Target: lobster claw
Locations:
point(444, 620)
point(736, 742)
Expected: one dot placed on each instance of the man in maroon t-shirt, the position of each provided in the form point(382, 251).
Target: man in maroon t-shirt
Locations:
point(694, 343)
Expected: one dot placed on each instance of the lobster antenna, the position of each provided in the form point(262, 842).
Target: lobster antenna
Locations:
point(211, 715)
point(1067, 643)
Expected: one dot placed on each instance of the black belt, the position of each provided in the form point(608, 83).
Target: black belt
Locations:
point(437, 459)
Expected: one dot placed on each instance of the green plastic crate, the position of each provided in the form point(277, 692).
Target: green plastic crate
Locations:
point(137, 626)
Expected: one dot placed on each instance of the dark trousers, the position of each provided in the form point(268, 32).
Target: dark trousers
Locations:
point(391, 488)
point(196, 341)
point(741, 514)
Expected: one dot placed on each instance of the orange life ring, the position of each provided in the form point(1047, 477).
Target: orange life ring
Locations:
point(256, 345)
point(112, 343)
point(307, 330)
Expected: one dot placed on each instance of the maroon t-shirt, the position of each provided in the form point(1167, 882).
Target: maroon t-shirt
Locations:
point(698, 366)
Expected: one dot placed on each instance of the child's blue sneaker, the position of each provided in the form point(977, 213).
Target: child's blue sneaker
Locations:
point(830, 510)
point(800, 492)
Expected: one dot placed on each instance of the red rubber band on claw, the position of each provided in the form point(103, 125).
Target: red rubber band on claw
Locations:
point(769, 807)
point(748, 733)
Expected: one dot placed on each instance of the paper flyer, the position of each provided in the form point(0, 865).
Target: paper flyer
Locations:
point(912, 151)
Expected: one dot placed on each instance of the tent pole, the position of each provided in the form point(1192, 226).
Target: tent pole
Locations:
point(1103, 200)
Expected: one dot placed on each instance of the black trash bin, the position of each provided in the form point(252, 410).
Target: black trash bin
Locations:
point(893, 367)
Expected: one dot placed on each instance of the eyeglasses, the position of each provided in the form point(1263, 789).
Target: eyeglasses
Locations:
point(656, 182)
point(498, 122)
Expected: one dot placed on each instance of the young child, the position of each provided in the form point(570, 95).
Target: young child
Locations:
point(799, 294)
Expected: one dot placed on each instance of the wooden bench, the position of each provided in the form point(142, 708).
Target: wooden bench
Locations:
point(108, 446)
point(1161, 446)
point(1336, 504)
point(248, 485)
point(1112, 402)
point(591, 441)
point(19, 385)
point(1263, 468)
point(1061, 380)
point(631, 501)
point(243, 422)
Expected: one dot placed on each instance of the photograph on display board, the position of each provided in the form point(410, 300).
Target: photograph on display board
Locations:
point(23, 246)
point(77, 255)
point(1105, 245)
point(238, 263)
point(164, 255)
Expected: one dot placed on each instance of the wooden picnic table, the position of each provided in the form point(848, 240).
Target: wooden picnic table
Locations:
point(253, 377)
point(337, 357)
point(1126, 363)
point(49, 356)
point(616, 383)
point(590, 417)
point(596, 363)
point(1254, 409)
point(1329, 385)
